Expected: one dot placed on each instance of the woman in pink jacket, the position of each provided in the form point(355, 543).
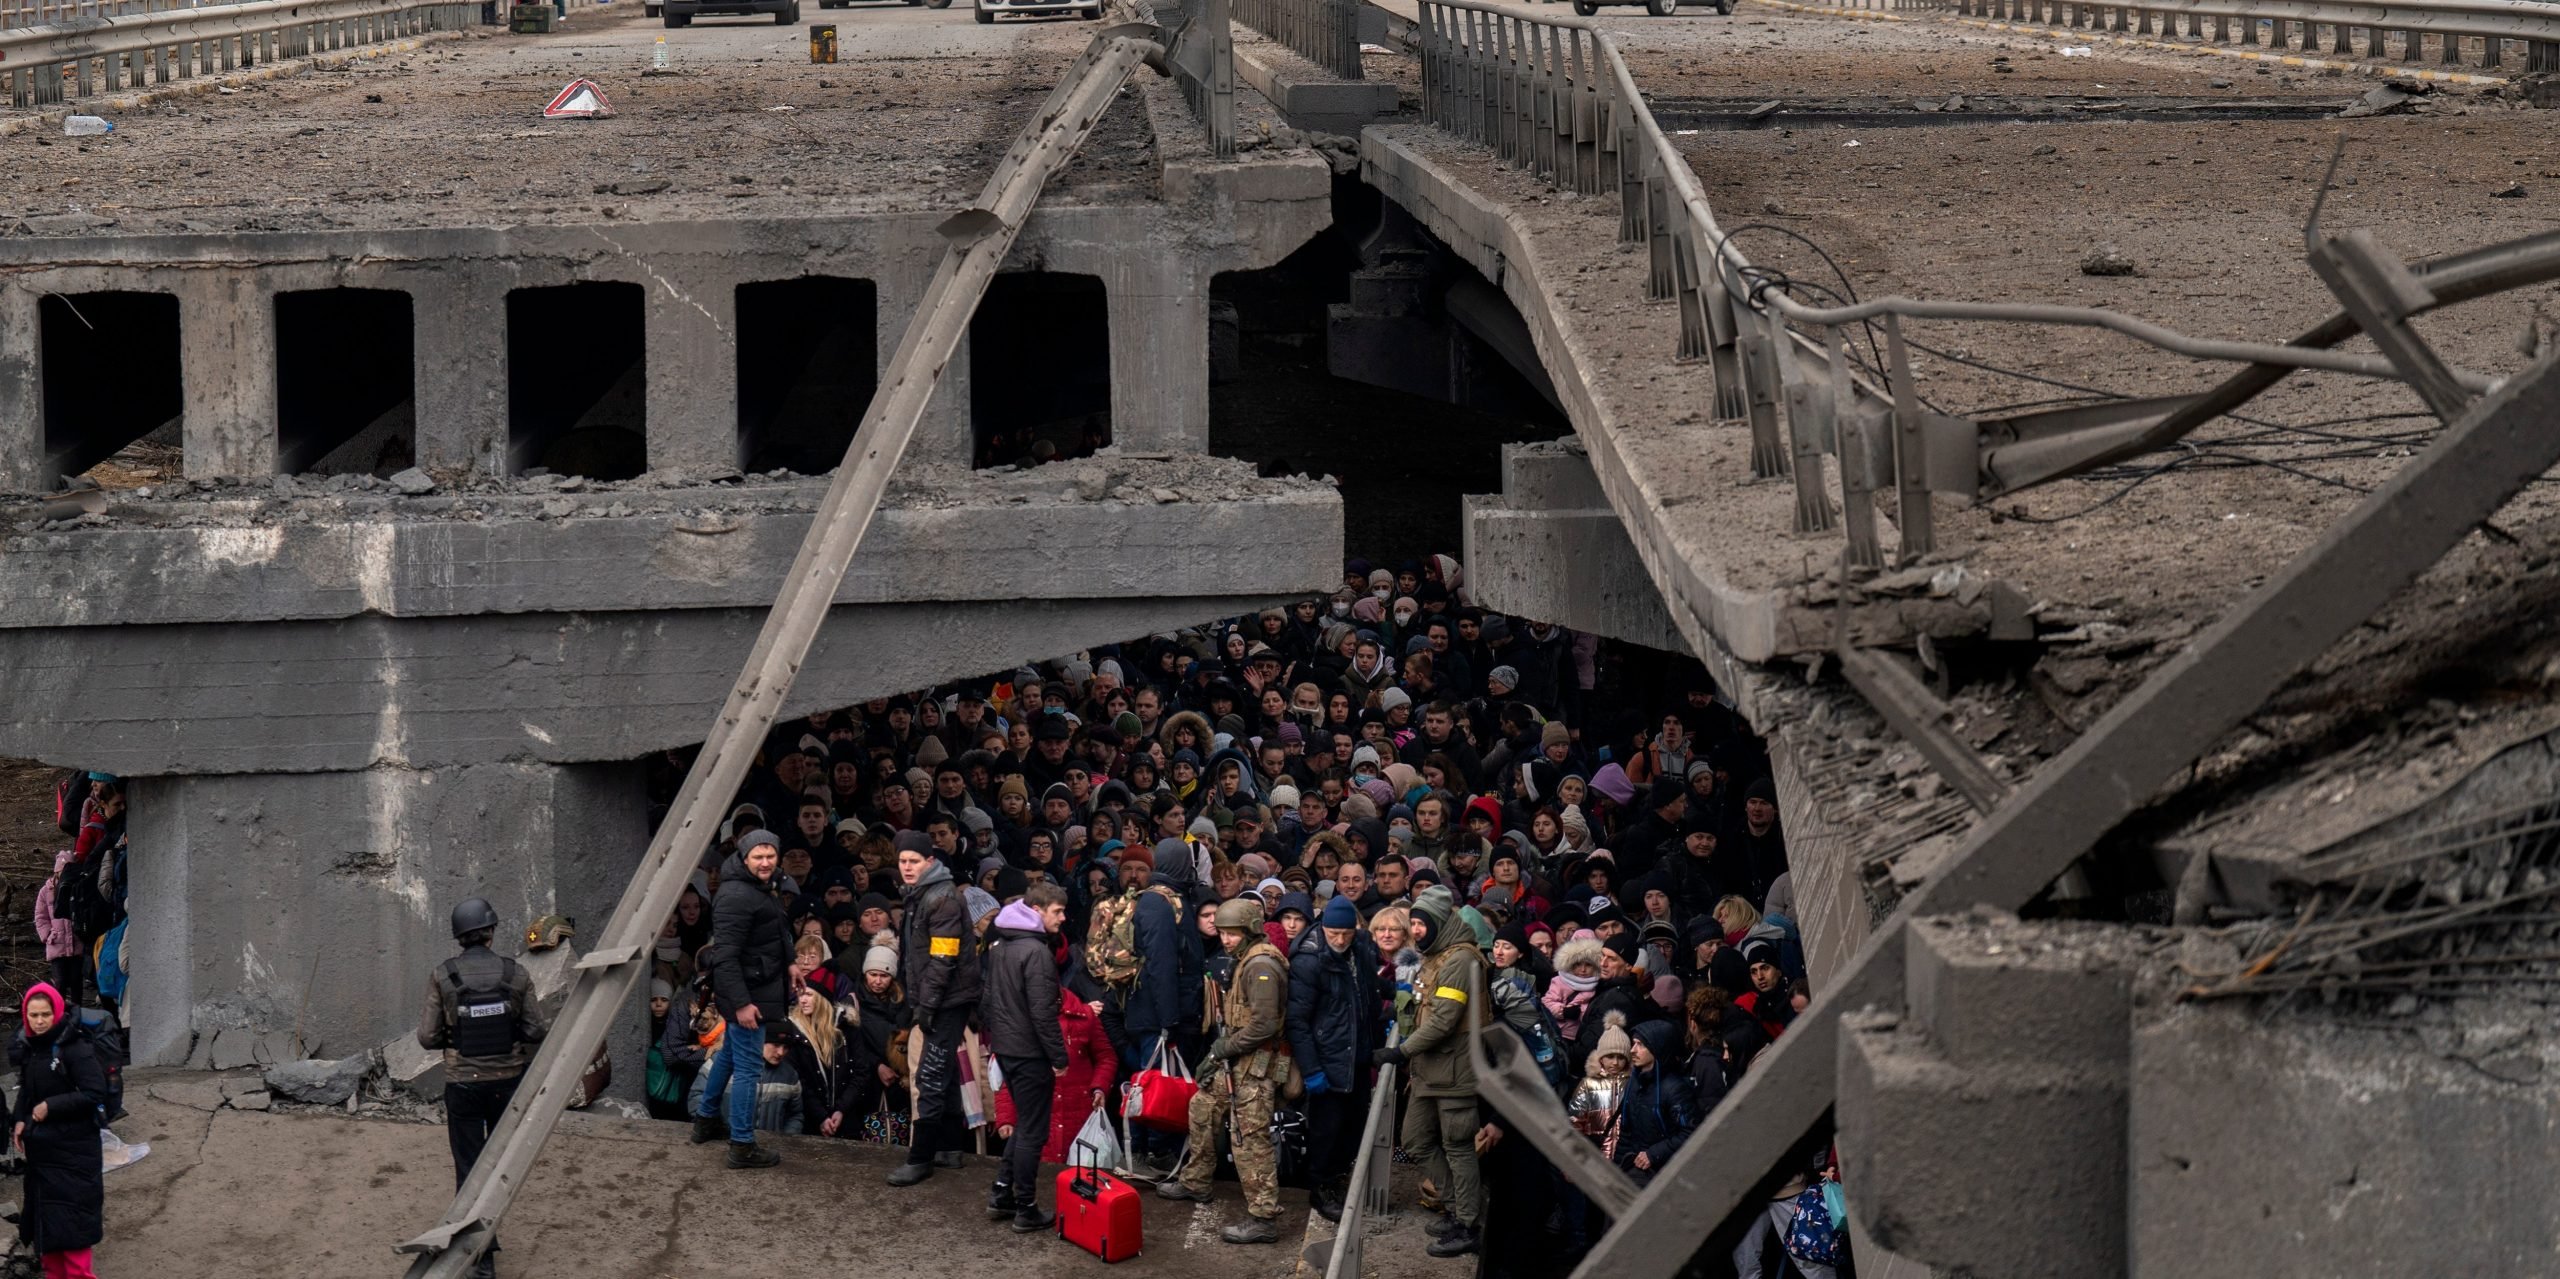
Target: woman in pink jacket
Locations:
point(61, 944)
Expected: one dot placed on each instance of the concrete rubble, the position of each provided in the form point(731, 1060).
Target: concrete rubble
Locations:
point(321, 1083)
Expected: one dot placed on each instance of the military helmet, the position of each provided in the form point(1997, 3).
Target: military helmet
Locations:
point(1242, 911)
point(549, 931)
point(472, 916)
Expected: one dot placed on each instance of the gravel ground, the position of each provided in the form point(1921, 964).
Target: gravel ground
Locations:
point(741, 125)
point(28, 841)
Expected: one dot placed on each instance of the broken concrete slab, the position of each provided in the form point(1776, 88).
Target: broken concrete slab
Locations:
point(194, 1093)
point(320, 1083)
point(553, 971)
point(253, 1101)
point(280, 1046)
point(232, 1048)
point(416, 1071)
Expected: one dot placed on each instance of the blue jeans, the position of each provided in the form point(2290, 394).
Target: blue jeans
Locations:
point(735, 1073)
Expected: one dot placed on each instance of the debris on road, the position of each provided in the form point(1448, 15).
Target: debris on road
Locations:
point(2386, 99)
point(2107, 259)
point(582, 100)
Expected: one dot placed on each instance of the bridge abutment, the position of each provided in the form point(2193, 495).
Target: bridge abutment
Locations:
point(316, 903)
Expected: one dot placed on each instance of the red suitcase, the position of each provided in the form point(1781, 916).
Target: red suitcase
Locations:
point(1159, 1096)
point(1098, 1213)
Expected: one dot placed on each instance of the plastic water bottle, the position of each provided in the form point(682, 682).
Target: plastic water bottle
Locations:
point(86, 126)
point(660, 61)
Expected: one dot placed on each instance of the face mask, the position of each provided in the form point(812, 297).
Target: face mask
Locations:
point(1341, 608)
point(1383, 592)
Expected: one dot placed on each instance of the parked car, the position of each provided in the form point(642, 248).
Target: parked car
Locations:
point(681, 13)
point(987, 10)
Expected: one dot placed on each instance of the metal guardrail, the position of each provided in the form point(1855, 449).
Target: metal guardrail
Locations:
point(1202, 60)
point(1555, 97)
point(977, 239)
point(41, 13)
point(1324, 32)
point(1368, 1194)
point(2356, 28)
point(44, 66)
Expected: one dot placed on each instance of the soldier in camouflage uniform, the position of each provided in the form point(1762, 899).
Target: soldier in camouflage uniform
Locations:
point(1440, 1116)
point(1247, 1072)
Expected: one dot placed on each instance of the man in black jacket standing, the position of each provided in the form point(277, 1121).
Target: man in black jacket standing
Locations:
point(750, 980)
point(940, 966)
point(1021, 1012)
point(1333, 1027)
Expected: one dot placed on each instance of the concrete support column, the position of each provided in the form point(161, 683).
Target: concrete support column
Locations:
point(227, 359)
point(1984, 1125)
point(693, 370)
point(1159, 306)
point(317, 903)
point(945, 434)
point(21, 392)
point(461, 369)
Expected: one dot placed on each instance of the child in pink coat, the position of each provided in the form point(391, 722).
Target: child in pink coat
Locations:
point(61, 945)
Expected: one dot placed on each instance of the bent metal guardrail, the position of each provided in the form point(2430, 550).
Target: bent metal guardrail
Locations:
point(1324, 32)
point(1555, 97)
point(37, 13)
point(43, 66)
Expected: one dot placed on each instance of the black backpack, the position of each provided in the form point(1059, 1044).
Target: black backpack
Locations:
point(70, 791)
point(80, 902)
point(106, 1039)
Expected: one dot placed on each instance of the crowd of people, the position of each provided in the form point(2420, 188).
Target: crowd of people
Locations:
point(1276, 854)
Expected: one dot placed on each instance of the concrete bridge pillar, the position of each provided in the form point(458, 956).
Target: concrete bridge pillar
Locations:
point(692, 322)
point(460, 313)
point(227, 362)
point(1159, 307)
point(317, 902)
point(945, 434)
point(21, 392)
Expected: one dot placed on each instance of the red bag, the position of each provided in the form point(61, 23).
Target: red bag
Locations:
point(1098, 1213)
point(1160, 1095)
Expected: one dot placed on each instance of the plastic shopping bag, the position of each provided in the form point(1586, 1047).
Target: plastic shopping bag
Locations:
point(1096, 1144)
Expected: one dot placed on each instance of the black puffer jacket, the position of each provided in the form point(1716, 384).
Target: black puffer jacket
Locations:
point(1333, 1007)
point(66, 1194)
point(936, 946)
point(1021, 1005)
point(750, 944)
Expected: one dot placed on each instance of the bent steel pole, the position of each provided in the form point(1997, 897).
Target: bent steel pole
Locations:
point(2397, 532)
point(978, 239)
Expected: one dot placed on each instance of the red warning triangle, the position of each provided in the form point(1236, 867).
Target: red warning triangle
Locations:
point(580, 101)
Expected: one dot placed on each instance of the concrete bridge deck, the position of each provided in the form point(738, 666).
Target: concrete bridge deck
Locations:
point(740, 125)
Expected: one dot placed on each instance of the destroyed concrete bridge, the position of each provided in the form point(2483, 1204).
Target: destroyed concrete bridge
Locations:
point(495, 444)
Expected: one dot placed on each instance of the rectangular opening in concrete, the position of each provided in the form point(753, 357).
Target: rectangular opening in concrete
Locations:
point(345, 379)
point(1040, 368)
point(577, 380)
point(1311, 355)
point(111, 376)
point(808, 361)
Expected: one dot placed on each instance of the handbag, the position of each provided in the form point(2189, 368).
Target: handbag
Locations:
point(886, 1127)
point(1159, 1096)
